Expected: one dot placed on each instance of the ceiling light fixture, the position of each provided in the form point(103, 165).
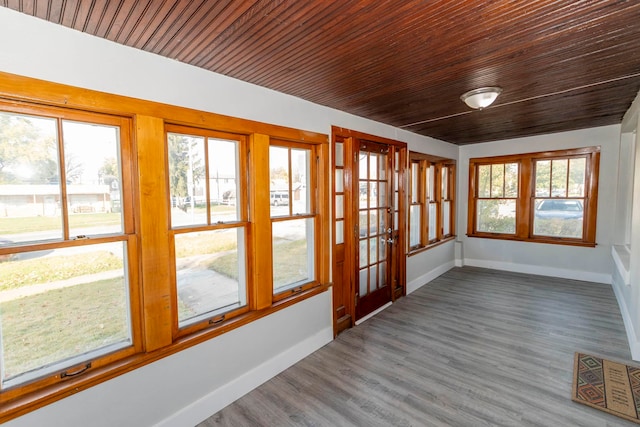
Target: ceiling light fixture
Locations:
point(482, 97)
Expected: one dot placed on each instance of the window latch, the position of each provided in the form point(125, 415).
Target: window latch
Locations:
point(216, 321)
point(66, 374)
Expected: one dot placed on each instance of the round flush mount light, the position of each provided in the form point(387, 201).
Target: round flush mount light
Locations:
point(482, 97)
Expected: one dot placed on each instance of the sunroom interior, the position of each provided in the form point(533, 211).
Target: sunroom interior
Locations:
point(178, 367)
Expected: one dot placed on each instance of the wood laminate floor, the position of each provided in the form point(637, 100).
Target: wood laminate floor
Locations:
point(474, 347)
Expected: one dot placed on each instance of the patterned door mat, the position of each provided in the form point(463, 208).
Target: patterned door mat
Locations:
point(609, 386)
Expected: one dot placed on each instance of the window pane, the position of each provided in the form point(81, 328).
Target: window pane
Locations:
point(382, 277)
point(497, 181)
point(373, 278)
point(339, 232)
point(210, 273)
point(414, 225)
point(364, 253)
point(279, 180)
point(558, 218)
point(484, 181)
point(432, 221)
point(223, 180)
point(431, 177)
point(511, 180)
point(577, 169)
point(339, 206)
point(339, 160)
point(373, 166)
point(364, 223)
point(373, 194)
point(364, 281)
point(29, 179)
point(187, 180)
point(363, 162)
point(559, 178)
point(62, 307)
point(293, 254)
point(543, 178)
point(382, 220)
point(496, 216)
point(414, 182)
point(382, 167)
point(92, 165)
point(373, 222)
point(444, 182)
point(339, 180)
point(383, 200)
point(301, 181)
point(446, 218)
point(373, 250)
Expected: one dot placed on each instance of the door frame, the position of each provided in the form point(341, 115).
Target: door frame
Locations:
point(343, 260)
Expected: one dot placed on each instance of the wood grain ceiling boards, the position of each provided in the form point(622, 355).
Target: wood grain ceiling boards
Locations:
point(563, 65)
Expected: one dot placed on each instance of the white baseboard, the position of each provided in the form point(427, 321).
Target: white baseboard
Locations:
point(429, 276)
point(208, 405)
point(634, 344)
point(564, 273)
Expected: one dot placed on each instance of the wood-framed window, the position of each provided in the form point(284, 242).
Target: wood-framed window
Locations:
point(110, 208)
point(293, 209)
point(548, 197)
point(209, 222)
point(68, 292)
point(432, 201)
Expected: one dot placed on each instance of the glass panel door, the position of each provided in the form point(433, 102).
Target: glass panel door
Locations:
point(375, 227)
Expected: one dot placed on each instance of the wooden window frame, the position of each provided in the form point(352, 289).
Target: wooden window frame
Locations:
point(312, 214)
point(526, 195)
point(128, 235)
point(154, 311)
point(431, 196)
point(241, 222)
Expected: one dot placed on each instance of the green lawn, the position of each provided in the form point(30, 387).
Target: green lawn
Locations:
point(290, 262)
point(51, 326)
point(46, 223)
point(15, 274)
point(190, 244)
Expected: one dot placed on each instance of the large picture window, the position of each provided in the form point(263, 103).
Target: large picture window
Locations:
point(547, 197)
point(66, 243)
point(431, 196)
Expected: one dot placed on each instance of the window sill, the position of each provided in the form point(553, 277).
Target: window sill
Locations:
point(431, 246)
point(622, 260)
point(549, 240)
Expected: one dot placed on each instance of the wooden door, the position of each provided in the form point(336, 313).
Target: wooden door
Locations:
point(368, 260)
point(375, 238)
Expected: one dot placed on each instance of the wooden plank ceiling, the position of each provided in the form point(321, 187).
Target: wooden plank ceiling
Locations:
point(563, 65)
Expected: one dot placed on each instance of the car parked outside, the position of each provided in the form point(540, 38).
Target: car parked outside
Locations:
point(559, 208)
point(280, 199)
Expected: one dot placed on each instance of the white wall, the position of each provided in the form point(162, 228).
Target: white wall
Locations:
point(592, 264)
point(626, 275)
point(187, 387)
